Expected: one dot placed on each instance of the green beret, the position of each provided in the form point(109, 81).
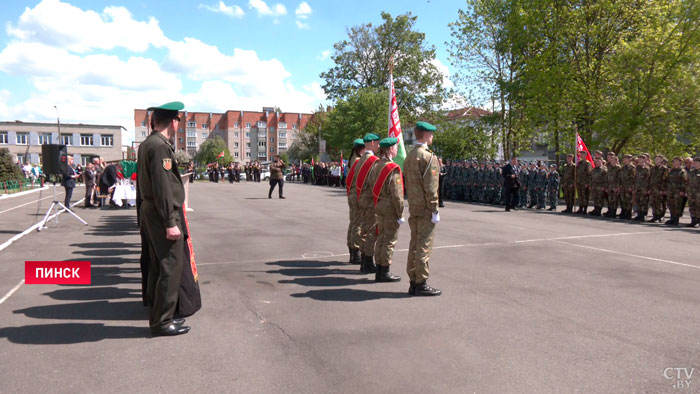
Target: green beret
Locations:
point(425, 126)
point(387, 142)
point(358, 142)
point(370, 137)
point(172, 106)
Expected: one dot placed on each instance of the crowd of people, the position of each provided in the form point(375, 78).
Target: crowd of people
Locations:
point(636, 185)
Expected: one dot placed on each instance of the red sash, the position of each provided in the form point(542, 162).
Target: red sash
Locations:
point(381, 179)
point(193, 265)
point(351, 175)
point(364, 171)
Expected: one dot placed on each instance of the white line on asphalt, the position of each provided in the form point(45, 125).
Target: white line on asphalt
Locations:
point(629, 254)
point(32, 228)
point(588, 236)
point(9, 293)
point(24, 193)
point(27, 203)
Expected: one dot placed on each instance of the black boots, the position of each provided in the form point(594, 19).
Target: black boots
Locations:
point(383, 275)
point(422, 289)
point(596, 211)
point(355, 256)
point(693, 222)
point(673, 221)
point(367, 265)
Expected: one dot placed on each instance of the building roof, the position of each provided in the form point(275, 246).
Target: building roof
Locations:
point(467, 112)
point(91, 126)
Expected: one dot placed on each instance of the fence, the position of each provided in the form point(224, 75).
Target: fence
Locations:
point(20, 185)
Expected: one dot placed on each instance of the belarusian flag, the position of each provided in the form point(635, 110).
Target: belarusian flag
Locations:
point(220, 154)
point(581, 147)
point(395, 123)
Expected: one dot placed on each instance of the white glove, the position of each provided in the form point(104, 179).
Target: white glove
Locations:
point(436, 217)
point(401, 220)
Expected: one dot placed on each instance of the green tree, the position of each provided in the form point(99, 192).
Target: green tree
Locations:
point(363, 111)
point(210, 149)
point(305, 145)
point(362, 61)
point(8, 169)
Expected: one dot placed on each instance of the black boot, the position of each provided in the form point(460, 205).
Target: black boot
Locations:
point(671, 221)
point(412, 288)
point(422, 289)
point(367, 266)
point(693, 222)
point(355, 256)
point(383, 275)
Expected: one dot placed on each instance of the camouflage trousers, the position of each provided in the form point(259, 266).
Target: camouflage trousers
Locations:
point(569, 195)
point(613, 200)
point(625, 199)
point(523, 197)
point(420, 247)
point(658, 203)
point(584, 193)
point(553, 197)
point(676, 205)
point(598, 196)
point(541, 197)
point(388, 229)
point(694, 204)
point(368, 237)
point(532, 193)
point(642, 198)
point(354, 227)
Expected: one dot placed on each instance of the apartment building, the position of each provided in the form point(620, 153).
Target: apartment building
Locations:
point(249, 135)
point(83, 141)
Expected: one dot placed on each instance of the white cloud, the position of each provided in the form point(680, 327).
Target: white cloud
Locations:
point(65, 65)
point(446, 82)
point(303, 10)
point(264, 10)
point(303, 25)
point(233, 11)
point(324, 55)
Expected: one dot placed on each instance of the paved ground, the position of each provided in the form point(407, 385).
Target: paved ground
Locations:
point(533, 302)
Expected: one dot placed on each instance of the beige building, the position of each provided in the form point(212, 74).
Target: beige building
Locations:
point(83, 141)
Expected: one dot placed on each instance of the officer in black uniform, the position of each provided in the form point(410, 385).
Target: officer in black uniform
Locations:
point(171, 279)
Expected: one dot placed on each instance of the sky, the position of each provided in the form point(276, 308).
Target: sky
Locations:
point(94, 61)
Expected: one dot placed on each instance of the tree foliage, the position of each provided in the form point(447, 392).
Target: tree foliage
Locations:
point(9, 171)
point(210, 149)
point(305, 145)
point(362, 61)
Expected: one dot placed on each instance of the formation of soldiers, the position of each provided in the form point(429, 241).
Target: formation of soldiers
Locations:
point(482, 182)
point(635, 186)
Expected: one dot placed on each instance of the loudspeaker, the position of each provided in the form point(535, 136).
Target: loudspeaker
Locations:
point(54, 159)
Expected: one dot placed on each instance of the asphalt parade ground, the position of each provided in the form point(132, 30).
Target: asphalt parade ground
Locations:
point(533, 302)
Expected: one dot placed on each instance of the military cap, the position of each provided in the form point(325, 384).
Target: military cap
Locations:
point(677, 158)
point(552, 166)
point(598, 152)
point(627, 156)
point(358, 142)
point(696, 158)
point(387, 142)
point(167, 111)
point(425, 126)
point(369, 137)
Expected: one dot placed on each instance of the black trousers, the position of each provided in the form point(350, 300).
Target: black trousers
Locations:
point(69, 194)
point(88, 195)
point(273, 183)
point(512, 198)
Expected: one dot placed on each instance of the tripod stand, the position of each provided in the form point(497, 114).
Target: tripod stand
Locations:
point(55, 205)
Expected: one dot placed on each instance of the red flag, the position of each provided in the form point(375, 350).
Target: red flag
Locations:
point(342, 167)
point(581, 147)
point(312, 162)
point(220, 154)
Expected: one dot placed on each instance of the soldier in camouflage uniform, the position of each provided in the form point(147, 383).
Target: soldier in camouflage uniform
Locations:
point(532, 185)
point(627, 177)
point(583, 182)
point(568, 178)
point(523, 176)
point(541, 185)
point(677, 185)
point(613, 185)
point(553, 180)
point(479, 182)
point(469, 182)
point(642, 187)
point(658, 181)
point(694, 193)
point(599, 180)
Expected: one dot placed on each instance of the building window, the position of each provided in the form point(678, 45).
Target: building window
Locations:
point(3, 138)
point(180, 140)
point(67, 139)
point(143, 123)
point(22, 138)
point(20, 157)
point(272, 129)
point(247, 145)
point(143, 134)
point(191, 144)
point(235, 144)
point(44, 138)
point(107, 140)
point(191, 124)
point(262, 125)
point(204, 135)
point(235, 154)
point(282, 125)
point(283, 145)
point(191, 134)
point(204, 125)
point(247, 155)
point(216, 127)
point(247, 125)
point(261, 143)
point(86, 140)
point(235, 135)
point(247, 135)
point(262, 154)
point(235, 125)
point(272, 149)
point(272, 139)
point(294, 127)
point(283, 135)
point(262, 134)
